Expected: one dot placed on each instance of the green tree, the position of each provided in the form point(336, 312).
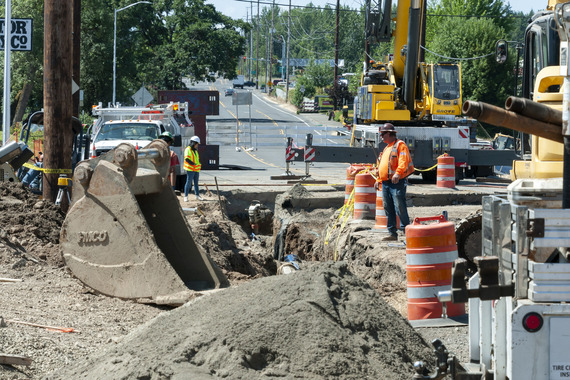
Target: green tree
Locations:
point(482, 78)
point(321, 75)
point(158, 45)
point(304, 88)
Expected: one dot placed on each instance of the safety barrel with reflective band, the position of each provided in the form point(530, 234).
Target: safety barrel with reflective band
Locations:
point(364, 196)
point(351, 172)
point(430, 252)
point(446, 171)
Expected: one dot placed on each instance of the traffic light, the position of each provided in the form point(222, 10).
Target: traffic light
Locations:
point(244, 58)
point(501, 51)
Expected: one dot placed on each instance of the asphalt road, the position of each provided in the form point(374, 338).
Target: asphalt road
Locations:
point(253, 139)
point(246, 164)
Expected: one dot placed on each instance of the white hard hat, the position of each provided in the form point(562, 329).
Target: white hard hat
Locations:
point(195, 139)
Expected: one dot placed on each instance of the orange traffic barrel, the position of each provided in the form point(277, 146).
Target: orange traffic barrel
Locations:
point(381, 218)
point(430, 252)
point(364, 196)
point(446, 171)
point(351, 172)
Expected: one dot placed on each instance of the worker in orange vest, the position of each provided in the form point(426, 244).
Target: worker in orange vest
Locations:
point(192, 167)
point(394, 167)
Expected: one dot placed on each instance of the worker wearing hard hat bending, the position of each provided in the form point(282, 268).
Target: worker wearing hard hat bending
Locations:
point(394, 166)
point(192, 167)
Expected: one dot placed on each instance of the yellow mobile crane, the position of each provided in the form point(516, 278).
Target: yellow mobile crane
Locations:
point(419, 98)
point(403, 87)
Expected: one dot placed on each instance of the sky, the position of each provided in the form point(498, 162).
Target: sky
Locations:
point(242, 8)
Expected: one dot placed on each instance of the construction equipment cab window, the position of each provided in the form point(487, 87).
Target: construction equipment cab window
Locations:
point(446, 82)
point(132, 131)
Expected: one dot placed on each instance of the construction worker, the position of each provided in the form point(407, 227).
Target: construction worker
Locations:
point(192, 167)
point(32, 178)
point(394, 167)
point(174, 161)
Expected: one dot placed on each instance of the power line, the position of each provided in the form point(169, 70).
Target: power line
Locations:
point(455, 58)
point(511, 15)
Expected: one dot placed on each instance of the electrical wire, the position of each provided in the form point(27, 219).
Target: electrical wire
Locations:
point(455, 58)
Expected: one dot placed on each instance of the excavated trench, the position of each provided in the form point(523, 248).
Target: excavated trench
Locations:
point(325, 322)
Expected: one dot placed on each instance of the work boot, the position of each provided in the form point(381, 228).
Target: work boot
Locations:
point(185, 199)
point(199, 198)
point(390, 238)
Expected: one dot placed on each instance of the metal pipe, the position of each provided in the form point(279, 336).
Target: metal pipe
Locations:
point(148, 154)
point(534, 110)
point(497, 116)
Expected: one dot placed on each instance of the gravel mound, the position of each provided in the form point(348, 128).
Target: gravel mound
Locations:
point(319, 323)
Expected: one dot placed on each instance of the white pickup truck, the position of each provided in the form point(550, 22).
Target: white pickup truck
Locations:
point(139, 126)
point(239, 81)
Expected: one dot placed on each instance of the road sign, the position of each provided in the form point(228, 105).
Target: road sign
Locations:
point(241, 98)
point(142, 97)
point(20, 34)
point(74, 87)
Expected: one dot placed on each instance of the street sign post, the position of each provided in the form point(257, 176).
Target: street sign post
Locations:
point(142, 97)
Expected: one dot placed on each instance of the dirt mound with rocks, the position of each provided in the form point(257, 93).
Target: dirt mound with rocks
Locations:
point(29, 227)
point(319, 323)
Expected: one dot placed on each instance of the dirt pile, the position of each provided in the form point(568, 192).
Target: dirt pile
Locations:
point(300, 219)
point(319, 323)
point(239, 257)
point(29, 227)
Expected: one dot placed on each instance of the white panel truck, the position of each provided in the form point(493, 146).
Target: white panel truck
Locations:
point(138, 126)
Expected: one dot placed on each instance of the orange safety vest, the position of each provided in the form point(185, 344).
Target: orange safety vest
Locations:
point(194, 157)
point(395, 159)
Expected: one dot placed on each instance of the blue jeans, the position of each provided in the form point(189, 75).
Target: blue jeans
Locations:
point(394, 199)
point(191, 176)
point(31, 177)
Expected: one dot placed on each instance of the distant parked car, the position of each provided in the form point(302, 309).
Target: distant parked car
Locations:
point(249, 84)
point(229, 92)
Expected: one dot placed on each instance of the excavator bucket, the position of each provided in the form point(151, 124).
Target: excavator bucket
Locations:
point(125, 234)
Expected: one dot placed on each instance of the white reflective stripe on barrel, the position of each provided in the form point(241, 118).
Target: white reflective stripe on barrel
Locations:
point(446, 166)
point(445, 179)
point(431, 258)
point(380, 212)
point(364, 206)
point(350, 182)
point(366, 190)
point(426, 291)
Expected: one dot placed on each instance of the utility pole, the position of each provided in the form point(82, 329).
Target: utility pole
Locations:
point(257, 54)
point(267, 61)
point(244, 63)
point(271, 41)
point(76, 53)
point(251, 45)
point(287, 62)
point(58, 135)
point(335, 83)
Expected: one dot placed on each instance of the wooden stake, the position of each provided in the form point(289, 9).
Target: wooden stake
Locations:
point(15, 359)
point(11, 279)
point(219, 199)
point(62, 329)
